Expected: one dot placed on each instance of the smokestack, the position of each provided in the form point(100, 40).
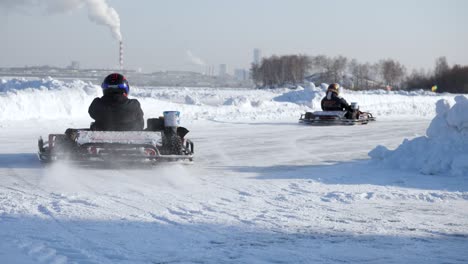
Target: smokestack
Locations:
point(121, 55)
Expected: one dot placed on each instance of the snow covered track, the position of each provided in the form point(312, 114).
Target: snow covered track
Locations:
point(273, 198)
point(258, 192)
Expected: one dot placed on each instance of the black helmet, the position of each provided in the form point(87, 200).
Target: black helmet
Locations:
point(333, 88)
point(115, 82)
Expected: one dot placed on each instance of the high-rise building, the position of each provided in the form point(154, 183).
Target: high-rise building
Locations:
point(222, 70)
point(74, 65)
point(209, 70)
point(241, 74)
point(257, 56)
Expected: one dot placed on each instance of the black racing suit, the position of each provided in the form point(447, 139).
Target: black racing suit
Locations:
point(115, 112)
point(333, 102)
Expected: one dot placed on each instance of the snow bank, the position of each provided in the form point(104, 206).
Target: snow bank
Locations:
point(44, 99)
point(309, 96)
point(378, 102)
point(22, 99)
point(443, 150)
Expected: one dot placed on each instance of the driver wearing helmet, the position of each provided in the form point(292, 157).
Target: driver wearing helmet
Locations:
point(114, 111)
point(332, 101)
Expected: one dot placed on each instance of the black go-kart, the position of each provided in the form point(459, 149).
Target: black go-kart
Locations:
point(154, 144)
point(336, 118)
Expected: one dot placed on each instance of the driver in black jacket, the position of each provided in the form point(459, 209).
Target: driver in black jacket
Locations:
point(114, 111)
point(332, 101)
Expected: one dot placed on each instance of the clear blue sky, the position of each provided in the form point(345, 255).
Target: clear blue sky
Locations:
point(158, 33)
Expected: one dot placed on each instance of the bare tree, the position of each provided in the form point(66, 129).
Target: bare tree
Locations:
point(441, 66)
point(361, 74)
point(276, 71)
point(331, 69)
point(338, 67)
point(256, 74)
point(418, 79)
point(392, 72)
point(320, 63)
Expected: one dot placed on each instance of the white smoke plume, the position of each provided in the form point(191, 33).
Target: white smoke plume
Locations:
point(194, 59)
point(103, 14)
point(98, 10)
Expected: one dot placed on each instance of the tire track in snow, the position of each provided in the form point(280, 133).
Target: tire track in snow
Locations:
point(45, 249)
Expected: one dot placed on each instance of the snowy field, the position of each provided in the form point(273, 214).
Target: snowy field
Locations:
point(262, 188)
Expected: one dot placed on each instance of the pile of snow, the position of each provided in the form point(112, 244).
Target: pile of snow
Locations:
point(22, 99)
point(46, 98)
point(309, 96)
point(192, 100)
point(443, 150)
point(378, 102)
point(238, 101)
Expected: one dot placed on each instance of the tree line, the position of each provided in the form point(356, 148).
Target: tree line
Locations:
point(447, 79)
point(280, 71)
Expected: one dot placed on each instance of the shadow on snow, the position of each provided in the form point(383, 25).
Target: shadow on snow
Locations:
point(48, 239)
point(358, 172)
point(19, 160)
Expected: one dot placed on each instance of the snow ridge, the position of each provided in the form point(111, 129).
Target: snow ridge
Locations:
point(444, 149)
point(22, 99)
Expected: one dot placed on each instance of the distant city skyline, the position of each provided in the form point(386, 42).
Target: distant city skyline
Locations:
point(192, 35)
